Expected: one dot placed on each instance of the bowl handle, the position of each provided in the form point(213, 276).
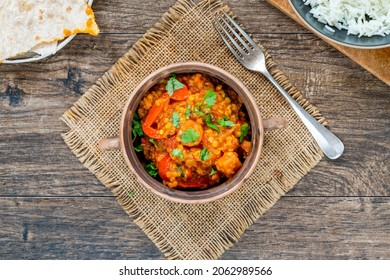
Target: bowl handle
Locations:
point(109, 143)
point(274, 123)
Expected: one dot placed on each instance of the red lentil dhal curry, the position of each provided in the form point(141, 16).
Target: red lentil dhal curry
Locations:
point(193, 131)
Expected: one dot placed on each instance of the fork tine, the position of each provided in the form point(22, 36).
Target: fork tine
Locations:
point(233, 51)
point(235, 34)
point(241, 31)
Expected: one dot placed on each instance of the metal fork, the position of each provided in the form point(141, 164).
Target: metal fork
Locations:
point(250, 55)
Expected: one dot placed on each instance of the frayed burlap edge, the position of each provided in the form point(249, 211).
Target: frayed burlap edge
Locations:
point(266, 197)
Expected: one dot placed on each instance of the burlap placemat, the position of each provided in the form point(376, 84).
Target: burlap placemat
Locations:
point(182, 231)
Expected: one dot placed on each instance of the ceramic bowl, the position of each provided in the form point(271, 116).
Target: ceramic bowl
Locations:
point(338, 36)
point(136, 164)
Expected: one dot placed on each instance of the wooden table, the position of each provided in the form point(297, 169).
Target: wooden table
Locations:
point(52, 207)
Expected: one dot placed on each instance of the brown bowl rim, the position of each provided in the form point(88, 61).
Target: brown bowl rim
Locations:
point(213, 193)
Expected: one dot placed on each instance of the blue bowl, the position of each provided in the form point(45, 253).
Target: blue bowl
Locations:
point(338, 36)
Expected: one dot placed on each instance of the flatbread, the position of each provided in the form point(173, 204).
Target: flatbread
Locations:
point(28, 23)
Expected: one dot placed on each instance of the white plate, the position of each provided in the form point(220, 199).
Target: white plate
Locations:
point(42, 51)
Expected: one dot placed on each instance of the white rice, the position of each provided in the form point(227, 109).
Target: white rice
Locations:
point(329, 28)
point(358, 17)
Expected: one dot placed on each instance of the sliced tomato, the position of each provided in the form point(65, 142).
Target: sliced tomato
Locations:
point(166, 165)
point(194, 183)
point(181, 93)
point(153, 115)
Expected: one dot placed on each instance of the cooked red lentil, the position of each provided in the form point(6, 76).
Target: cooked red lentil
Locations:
point(195, 131)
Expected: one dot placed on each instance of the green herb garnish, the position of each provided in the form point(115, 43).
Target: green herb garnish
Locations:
point(151, 140)
point(204, 154)
point(175, 119)
point(177, 153)
point(210, 98)
point(199, 112)
point(212, 172)
point(138, 148)
point(131, 194)
point(137, 128)
point(188, 112)
point(173, 84)
point(243, 131)
point(189, 136)
point(210, 124)
point(225, 122)
point(181, 171)
point(151, 169)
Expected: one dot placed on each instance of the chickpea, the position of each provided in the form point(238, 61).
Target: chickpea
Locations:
point(191, 125)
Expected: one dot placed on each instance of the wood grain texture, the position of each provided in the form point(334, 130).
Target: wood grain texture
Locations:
point(318, 228)
point(70, 228)
point(135, 17)
point(52, 207)
point(377, 61)
point(98, 228)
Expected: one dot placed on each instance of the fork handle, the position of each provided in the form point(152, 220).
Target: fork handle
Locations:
point(328, 142)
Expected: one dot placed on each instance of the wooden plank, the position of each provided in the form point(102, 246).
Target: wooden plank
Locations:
point(318, 228)
point(377, 61)
point(97, 228)
point(70, 228)
point(135, 17)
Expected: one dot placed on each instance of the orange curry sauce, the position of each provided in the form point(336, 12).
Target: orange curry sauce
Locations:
point(195, 131)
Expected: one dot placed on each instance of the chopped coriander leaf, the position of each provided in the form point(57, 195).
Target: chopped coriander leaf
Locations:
point(175, 119)
point(204, 154)
point(137, 129)
point(212, 172)
point(151, 140)
point(188, 111)
point(138, 148)
point(189, 136)
point(199, 112)
point(177, 153)
point(173, 84)
point(181, 171)
point(136, 117)
point(131, 194)
point(210, 124)
point(210, 98)
point(225, 122)
point(151, 169)
point(243, 131)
